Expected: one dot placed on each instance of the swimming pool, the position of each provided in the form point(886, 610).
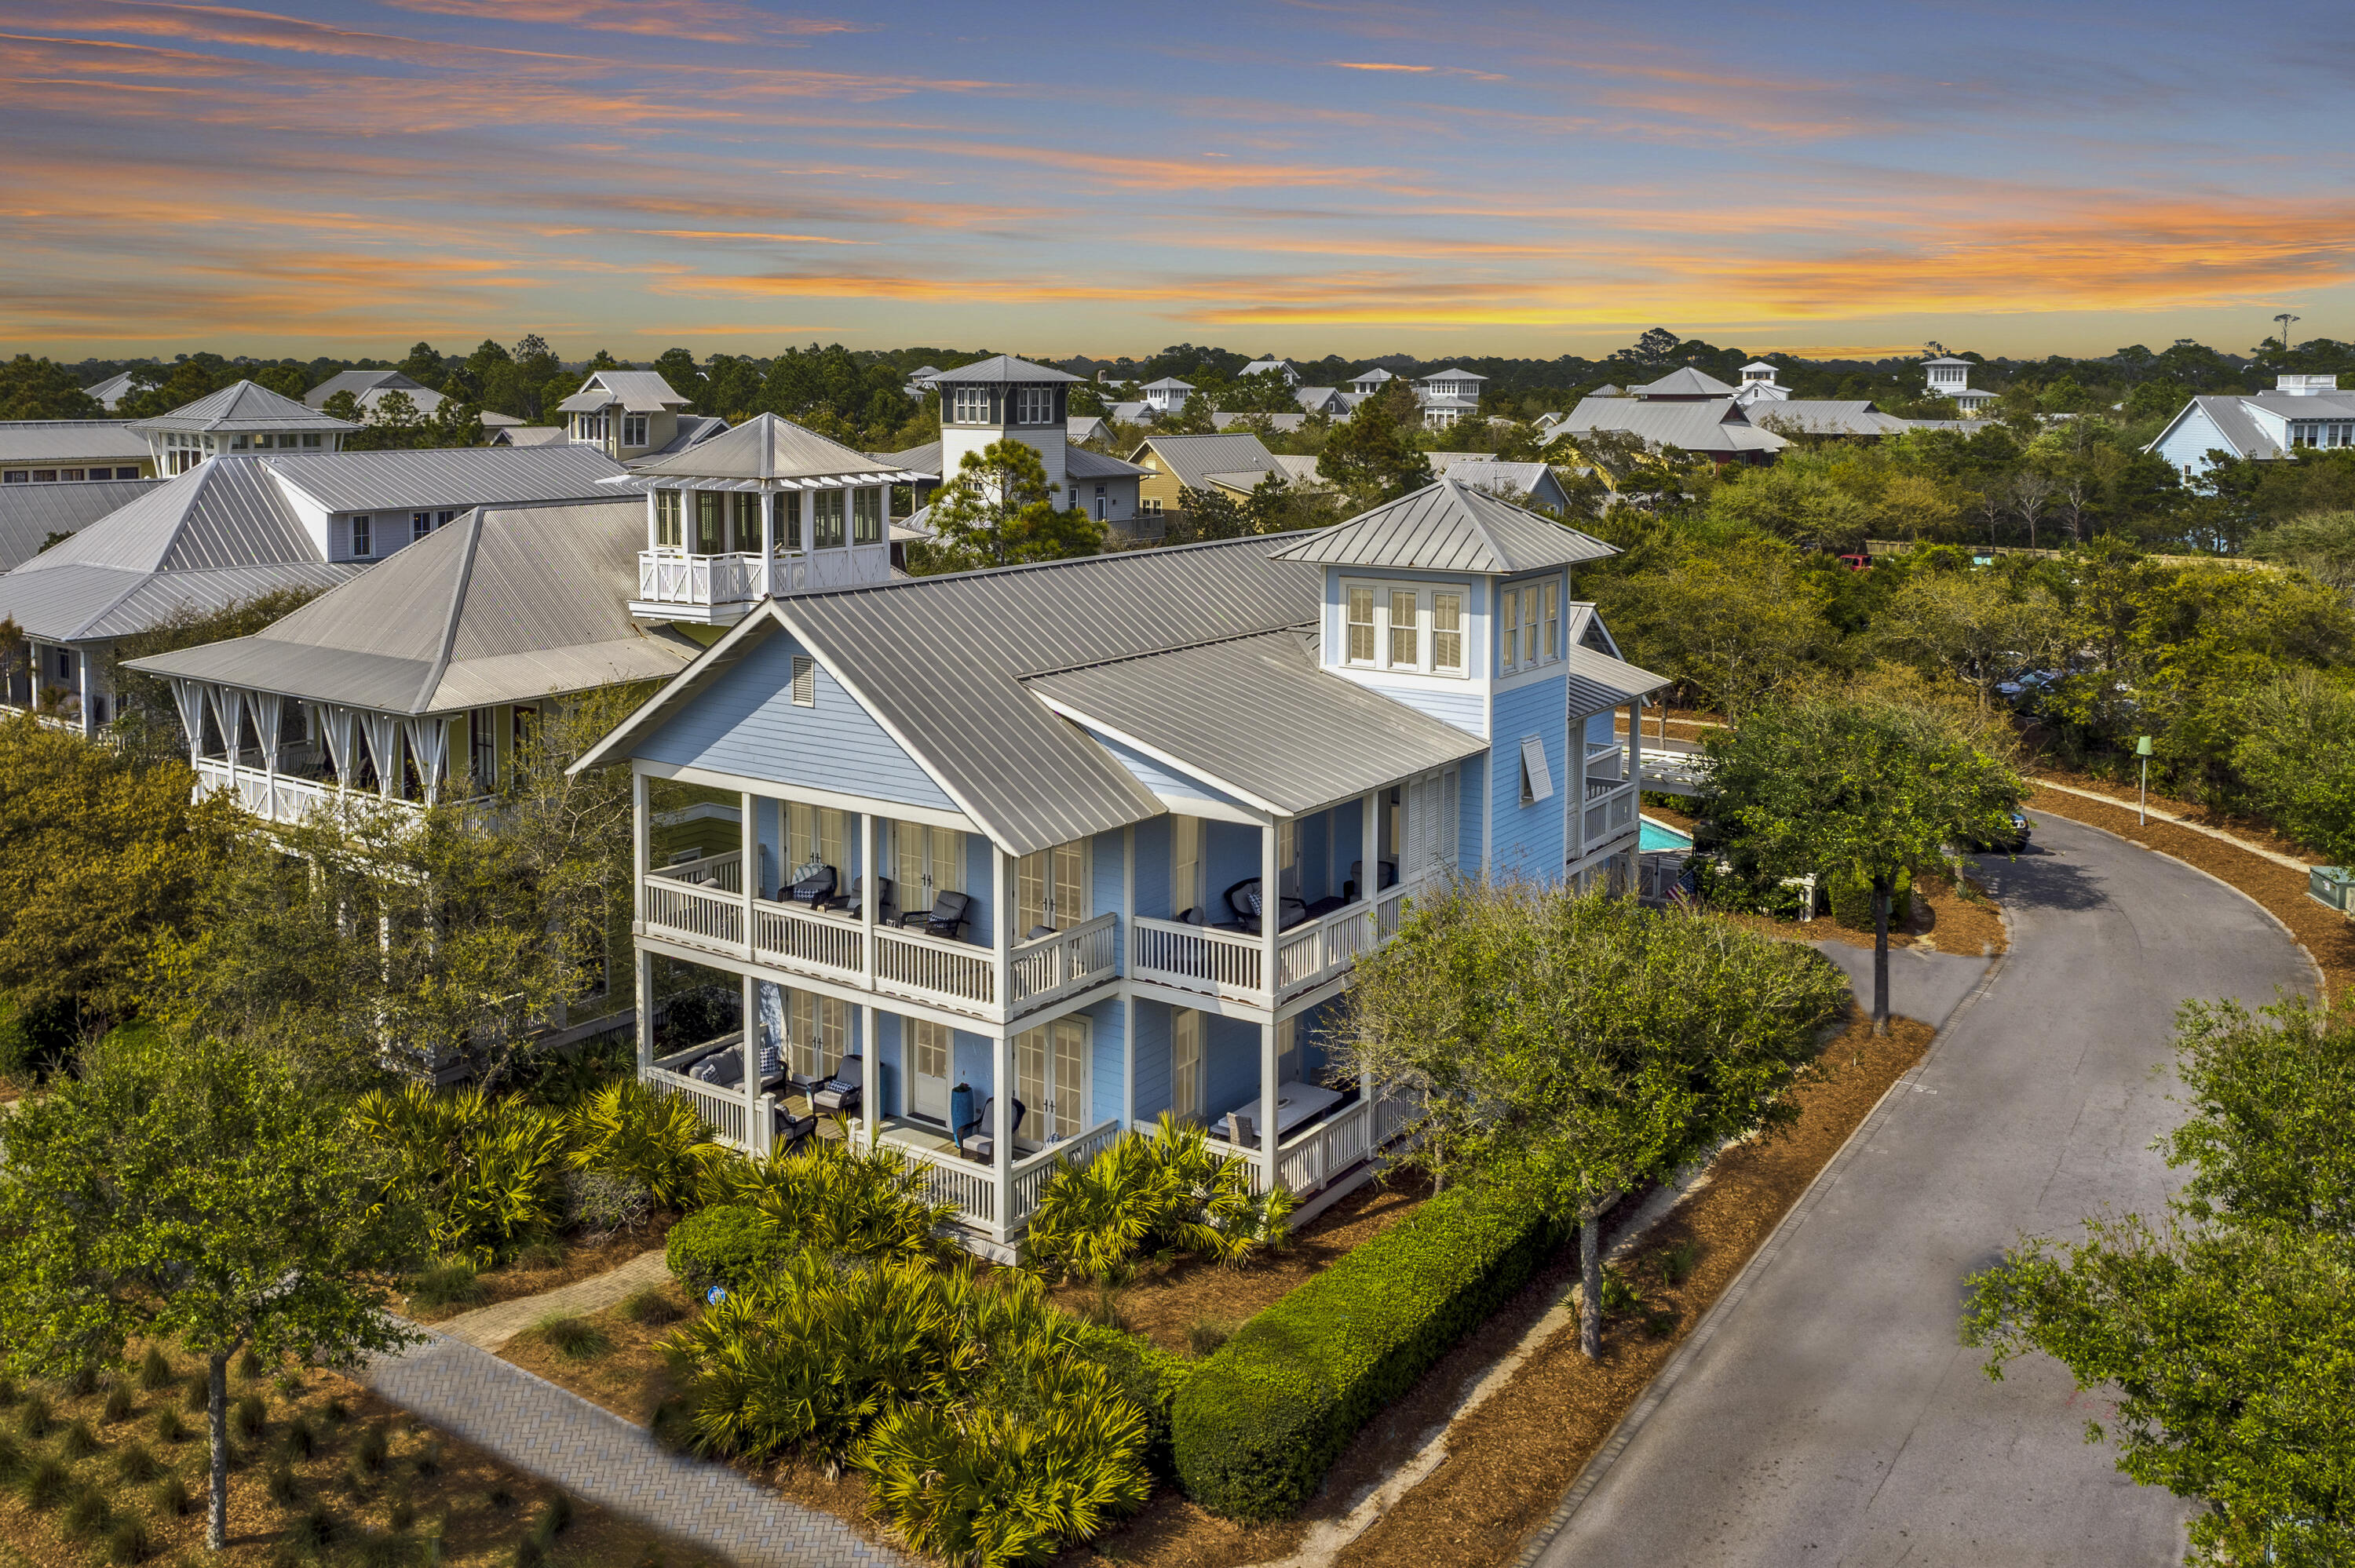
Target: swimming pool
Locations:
point(1661, 836)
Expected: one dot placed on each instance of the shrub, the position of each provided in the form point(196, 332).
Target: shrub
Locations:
point(88, 1516)
point(1147, 1375)
point(489, 1171)
point(199, 1393)
point(138, 1462)
point(1678, 1262)
point(13, 1463)
point(599, 1202)
point(828, 1198)
point(169, 1427)
point(653, 1141)
point(540, 1252)
point(374, 1450)
point(428, 1461)
point(726, 1244)
point(1143, 1196)
point(79, 1441)
point(447, 1284)
point(302, 1438)
point(47, 1484)
point(1851, 902)
point(573, 1337)
point(249, 1365)
point(173, 1499)
point(651, 1307)
point(36, 1419)
point(119, 1403)
point(128, 1543)
point(1263, 1418)
point(154, 1371)
point(280, 1485)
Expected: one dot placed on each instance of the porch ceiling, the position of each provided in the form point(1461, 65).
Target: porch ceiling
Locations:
point(1256, 717)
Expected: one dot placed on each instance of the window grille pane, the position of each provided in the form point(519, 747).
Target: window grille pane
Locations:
point(867, 516)
point(1361, 626)
point(826, 519)
point(1447, 631)
point(1511, 642)
point(788, 503)
point(1551, 645)
point(1406, 628)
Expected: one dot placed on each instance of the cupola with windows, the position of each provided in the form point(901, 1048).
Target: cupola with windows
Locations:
point(987, 401)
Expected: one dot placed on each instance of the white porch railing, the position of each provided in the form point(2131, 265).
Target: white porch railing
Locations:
point(923, 968)
point(793, 935)
point(1038, 972)
point(971, 1187)
point(1314, 1157)
point(286, 797)
point(723, 1107)
point(700, 900)
point(1030, 1172)
point(849, 568)
point(673, 577)
point(1225, 964)
point(1606, 814)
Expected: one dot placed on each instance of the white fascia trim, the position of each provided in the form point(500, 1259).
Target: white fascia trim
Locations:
point(773, 789)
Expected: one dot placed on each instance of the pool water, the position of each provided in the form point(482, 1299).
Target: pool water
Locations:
point(1661, 836)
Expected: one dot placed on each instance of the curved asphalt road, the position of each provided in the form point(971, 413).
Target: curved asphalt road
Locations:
point(1829, 1417)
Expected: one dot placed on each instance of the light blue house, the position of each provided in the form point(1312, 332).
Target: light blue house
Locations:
point(2302, 411)
point(1088, 773)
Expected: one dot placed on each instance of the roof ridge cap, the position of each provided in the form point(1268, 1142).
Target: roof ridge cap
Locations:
point(1026, 675)
point(441, 661)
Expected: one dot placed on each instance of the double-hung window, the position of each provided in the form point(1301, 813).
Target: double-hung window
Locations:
point(361, 544)
point(787, 519)
point(1186, 1065)
point(1406, 628)
point(1549, 646)
point(419, 524)
point(1034, 405)
point(1413, 627)
point(971, 405)
point(867, 516)
point(633, 429)
point(1361, 626)
point(826, 519)
point(1447, 632)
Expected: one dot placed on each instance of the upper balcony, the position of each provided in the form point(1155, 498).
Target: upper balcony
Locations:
point(721, 590)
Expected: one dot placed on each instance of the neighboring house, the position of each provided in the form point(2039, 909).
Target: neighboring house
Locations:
point(2263, 427)
point(30, 514)
point(1081, 429)
point(1366, 383)
point(1173, 464)
point(1329, 401)
point(766, 508)
point(633, 414)
point(361, 384)
point(73, 452)
point(1827, 417)
point(1167, 396)
point(1524, 483)
point(920, 381)
point(1086, 774)
point(1758, 385)
point(235, 528)
point(523, 435)
point(1685, 385)
point(1271, 367)
point(111, 391)
point(1717, 428)
point(1131, 412)
point(1286, 422)
point(1005, 398)
point(243, 418)
point(1951, 378)
point(1448, 396)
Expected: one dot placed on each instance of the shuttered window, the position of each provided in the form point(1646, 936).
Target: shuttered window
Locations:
point(804, 681)
point(1186, 1065)
point(1361, 626)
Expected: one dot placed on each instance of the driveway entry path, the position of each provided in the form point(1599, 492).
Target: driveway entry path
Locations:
point(561, 1438)
point(488, 1328)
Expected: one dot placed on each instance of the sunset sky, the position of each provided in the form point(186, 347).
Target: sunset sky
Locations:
point(1298, 178)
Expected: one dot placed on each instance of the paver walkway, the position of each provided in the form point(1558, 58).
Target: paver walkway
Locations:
point(493, 1326)
point(557, 1435)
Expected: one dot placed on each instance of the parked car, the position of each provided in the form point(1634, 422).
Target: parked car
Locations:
point(2014, 842)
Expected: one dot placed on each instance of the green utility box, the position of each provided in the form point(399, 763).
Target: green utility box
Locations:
point(2332, 885)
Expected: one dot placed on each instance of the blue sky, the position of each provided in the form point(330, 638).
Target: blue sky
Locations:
point(1055, 178)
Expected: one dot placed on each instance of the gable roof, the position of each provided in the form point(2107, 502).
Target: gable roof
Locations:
point(529, 436)
point(1193, 458)
point(1685, 382)
point(1376, 374)
point(1168, 383)
point(357, 382)
point(1255, 716)
point(637, 391)
point(940, 663)
point(447, 476)
point(29, 514)
point(243, 406)
point(1946, 359)
point(65, 440)
point(506, 604)
point(763, 447)
point(1448, 526)
point(1717, 425)
point(1450, 374)
point(1598, 681)
point(1483, 472)
point(112, 390)
point(1003, 368)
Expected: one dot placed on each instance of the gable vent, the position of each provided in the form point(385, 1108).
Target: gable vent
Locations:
point(804, 681)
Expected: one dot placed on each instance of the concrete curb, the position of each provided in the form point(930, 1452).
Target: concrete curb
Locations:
point(1534, 1545)
point(2173, 821)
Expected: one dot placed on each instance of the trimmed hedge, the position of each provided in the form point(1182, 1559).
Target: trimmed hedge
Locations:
point(726, 1244)
point(1265, 1417)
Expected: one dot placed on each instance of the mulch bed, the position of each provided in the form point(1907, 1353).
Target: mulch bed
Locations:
point(580, 1260)
point(630, 1379)
point(1510, 1461)
point(485, 1508)
point(2281, 891)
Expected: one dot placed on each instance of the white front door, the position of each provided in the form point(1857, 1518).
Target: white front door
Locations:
point(927, 1070)
point(1051, 1075)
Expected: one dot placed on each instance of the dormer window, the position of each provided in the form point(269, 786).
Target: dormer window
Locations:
point(633, 430)
point(971, 405)
point(1034, 405)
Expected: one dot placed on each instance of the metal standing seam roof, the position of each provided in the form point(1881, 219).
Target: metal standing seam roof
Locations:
point(1192, 460)
point(29, 514)
point(637, 391)
point(447, 476)
point(1451, 527)
point(68, 440)
point(1685, 382)
point(1257, 716)
point(112, 390)
point(243, 406)
point(1719, 425)
point(1168, 383)
point(227, 512)
point(1601, 682)
point(1004, 367)
point(939, 662)
point(506, 604)
point(358, 381)
point(531, 436)
point(1824, 416)
point(763, 447)
point(1450, 374)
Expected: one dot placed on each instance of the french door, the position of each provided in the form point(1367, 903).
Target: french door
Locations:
point(1050, 1076)
point(927, 1070)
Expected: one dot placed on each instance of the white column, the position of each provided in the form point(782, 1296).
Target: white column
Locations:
point(644, 967)
point(869, 1075)
point(756, 1139)
point(869, 894)
point(748, 871)
point(1635, 744)
point(81, 672)
point(1271, 921)
point(652, 536)
point(1370, 837)
point(1127, 1002)
point(641, 848)
point(768, 540)
point(1001, 1124)
point(1001, 929)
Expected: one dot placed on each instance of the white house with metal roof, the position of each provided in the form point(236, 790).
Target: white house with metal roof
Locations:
point(2302, 412)
point(237, 527)
point(243, 418)
point(73, 452)
point(1758, 385)
point(1008, 863)
point(1366, 383)
point(1947, 377)
point(1167, 396)
point(1283, 367)
point(1448, 396)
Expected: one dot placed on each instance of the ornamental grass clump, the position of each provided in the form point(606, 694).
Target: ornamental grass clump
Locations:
point(1144, 1197)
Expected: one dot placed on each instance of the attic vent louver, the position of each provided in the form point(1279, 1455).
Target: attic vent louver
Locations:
point(804, 681)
